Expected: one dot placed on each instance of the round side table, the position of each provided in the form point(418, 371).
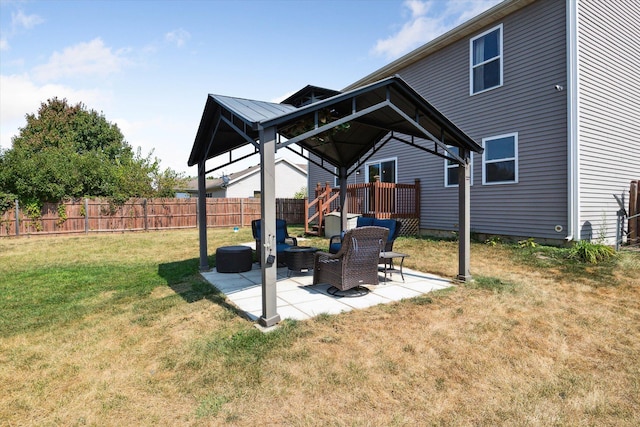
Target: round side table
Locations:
point(299, 258)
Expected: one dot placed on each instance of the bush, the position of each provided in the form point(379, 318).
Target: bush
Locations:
point(592, 253)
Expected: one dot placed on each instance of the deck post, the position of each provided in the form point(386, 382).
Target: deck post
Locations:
point(342, 181)
point(202, 216)
point(464, 217)
point(416, 192)
point(269, 256)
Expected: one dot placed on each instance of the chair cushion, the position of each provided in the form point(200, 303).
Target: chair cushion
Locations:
point(364, 221)
point(387, 223)
point(334, 247)
point(281, 231)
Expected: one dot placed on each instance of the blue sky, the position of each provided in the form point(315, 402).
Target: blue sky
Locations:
point(149, 65)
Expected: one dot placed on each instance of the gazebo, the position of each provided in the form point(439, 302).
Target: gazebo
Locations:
point(338, 133)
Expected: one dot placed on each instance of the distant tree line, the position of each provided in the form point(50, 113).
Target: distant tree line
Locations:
point(69, 151)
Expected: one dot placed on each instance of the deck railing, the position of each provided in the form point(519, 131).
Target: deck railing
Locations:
point(372, 199)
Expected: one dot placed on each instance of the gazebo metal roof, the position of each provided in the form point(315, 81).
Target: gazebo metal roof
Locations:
point(340, 130)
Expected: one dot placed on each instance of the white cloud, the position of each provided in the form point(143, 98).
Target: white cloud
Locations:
point(4, 44)
point(417, 8)
point(84, 59)
point(178, 37)
point(21, 96)
point(20, 20)
point(428, 21)
point(281, 98)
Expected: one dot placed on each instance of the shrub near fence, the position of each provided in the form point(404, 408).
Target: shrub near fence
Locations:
point(98, 215)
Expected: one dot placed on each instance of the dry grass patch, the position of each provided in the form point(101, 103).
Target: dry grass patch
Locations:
point(142, 340)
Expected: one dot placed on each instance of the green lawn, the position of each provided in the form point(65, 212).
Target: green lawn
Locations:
point(120, 329)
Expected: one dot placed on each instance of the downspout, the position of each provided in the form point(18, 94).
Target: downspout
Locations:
point(573, 166)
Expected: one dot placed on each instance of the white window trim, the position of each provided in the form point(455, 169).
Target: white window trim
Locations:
point(366, 167)
point(504, 159)
point(501, 56)
point(448, 166)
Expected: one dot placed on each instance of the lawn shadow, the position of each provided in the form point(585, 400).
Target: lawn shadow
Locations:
point(183, 278)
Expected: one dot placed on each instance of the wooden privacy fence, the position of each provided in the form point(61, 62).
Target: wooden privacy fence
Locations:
point(634, 213)
point(98, 215)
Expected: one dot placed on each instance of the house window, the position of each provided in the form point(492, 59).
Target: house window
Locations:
point(486, 60)
point(385, 169)
point(451, 169)
point(500, 159)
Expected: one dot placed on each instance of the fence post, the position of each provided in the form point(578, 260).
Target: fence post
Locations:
point(86, 216)
point(146, 217)
point(17, 218)
point(241, 212)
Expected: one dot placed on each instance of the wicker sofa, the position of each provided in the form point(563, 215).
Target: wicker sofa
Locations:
point(391, 224)
point(356, 263)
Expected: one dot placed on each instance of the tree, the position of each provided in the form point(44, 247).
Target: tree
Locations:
point(68, 151)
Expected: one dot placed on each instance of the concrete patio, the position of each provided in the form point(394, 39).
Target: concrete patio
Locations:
point(298, 299)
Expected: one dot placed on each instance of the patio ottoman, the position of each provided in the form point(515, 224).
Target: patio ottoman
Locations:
point(233, 259)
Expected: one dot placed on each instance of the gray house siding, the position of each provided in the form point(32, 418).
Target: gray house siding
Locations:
point(608, 110)
point(527, 103)
point(575, 115)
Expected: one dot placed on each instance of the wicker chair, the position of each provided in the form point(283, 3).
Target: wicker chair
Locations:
point(393, 225)
point(356, 263)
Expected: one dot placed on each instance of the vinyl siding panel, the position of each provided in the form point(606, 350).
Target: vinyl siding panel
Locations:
point(608, 110)
point(527, 103)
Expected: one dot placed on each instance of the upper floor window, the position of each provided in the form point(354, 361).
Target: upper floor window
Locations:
point(486, 60)
point(500, 159)
point(451, 169)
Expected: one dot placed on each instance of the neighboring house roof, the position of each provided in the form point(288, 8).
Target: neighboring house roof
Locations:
point(216, 183)
point(464, 30)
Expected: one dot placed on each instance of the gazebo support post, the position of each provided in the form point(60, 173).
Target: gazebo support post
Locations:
point(202, 216)
point(342, 181)
point(464, 217)
point(269, 256)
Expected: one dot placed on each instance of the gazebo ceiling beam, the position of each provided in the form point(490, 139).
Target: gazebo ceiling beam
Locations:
point(213, 136)
point(376, 148)
point(239, 131)
point(428, 134)
point(337, 122)
point(232, 161)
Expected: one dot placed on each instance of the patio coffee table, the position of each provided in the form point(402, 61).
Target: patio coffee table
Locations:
point(299, 258)
point(387, 258)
